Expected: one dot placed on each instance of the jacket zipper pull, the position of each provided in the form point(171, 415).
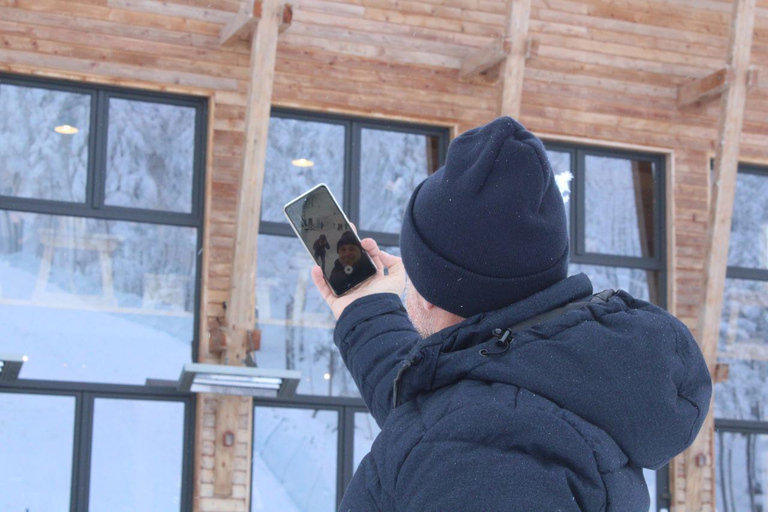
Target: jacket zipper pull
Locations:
point(504, 340)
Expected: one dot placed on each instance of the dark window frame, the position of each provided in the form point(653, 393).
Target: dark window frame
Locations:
point(723, 425)
point(346, 407)
point(93, 208)
point(82, 441)
point(578, 255)
point(351, 176)
point(577, 205)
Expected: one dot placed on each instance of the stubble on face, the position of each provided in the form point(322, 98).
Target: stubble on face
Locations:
point(420, 318)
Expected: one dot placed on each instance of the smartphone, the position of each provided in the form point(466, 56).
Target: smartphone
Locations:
point(324, 230)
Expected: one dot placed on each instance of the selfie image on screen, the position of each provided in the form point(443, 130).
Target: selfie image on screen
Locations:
point(330, 239)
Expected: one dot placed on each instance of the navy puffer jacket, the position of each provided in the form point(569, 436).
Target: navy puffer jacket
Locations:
point(563, 420)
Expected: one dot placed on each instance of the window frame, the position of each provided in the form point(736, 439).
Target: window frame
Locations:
point(93, 207)
point(345, 407)
point(739, 426)
point(351, 175)
point(577, 229)
point(82, 438)
point(577, 206)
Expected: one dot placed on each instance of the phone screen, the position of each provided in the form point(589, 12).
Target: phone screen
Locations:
point(325, 232)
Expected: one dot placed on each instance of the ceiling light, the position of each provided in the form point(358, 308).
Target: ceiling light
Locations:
point(238, 380)
point(66, 129)
point(10, 366)
point(303, 162)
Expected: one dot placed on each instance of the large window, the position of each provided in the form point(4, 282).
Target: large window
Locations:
point(741, 413)
point(371, 168)
point(615, 208)
point(100, 244)
point(306, 450)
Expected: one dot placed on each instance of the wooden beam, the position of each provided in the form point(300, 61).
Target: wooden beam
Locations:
point(243, 23)
point(488, 58)
point(483, 59)
point(242, 293)
point(697, 492)
point(705, 89)
point(518, 14)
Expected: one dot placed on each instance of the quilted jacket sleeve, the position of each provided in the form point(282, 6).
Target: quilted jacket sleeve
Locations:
point(373, 335)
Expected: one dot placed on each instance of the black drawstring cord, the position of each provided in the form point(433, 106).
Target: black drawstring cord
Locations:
point(504, 341)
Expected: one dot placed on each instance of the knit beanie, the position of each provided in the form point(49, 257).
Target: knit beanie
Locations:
point(347, 238)
point(488, 229)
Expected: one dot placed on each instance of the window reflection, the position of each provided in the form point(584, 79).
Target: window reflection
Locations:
point(36, 443)
point(146, 437)
point(619, 206)
point(743, 346)
point(294, 460)
point(44, 149)
point(301, 154)
point(392, 165)
point(742, 472)
point(110, 292)
point(748, 245)
point(297, 325)
point(150, 155)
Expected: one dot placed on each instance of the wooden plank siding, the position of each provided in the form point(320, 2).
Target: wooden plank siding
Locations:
point(606, 71)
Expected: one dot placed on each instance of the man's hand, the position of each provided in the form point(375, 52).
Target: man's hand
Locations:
point(394, 282)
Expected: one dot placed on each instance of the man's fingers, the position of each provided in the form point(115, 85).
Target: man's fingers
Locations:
point(353, 227)
point(388, 260)
point(322, 286)
point(372, 248)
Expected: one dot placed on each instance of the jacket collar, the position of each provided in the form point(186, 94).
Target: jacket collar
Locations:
point(477, 329)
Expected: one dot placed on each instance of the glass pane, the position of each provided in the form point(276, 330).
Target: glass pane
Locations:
point(650, 481)
point(391, 165)
point(294, 460)
point(366, 431)
point(36, 443)
point(297, 325)
point(561, 166)
point(741, 469)
point(743, 346)
point(147, 438)
point(150, 156)
point(117, 297)
point(619, 204)
point(300, 155)
point(748, 246)
point(641, 284)
point(44, 143)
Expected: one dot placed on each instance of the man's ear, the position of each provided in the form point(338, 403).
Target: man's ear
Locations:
point(426, 304)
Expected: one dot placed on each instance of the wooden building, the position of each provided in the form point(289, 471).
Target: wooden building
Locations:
point(675, 89)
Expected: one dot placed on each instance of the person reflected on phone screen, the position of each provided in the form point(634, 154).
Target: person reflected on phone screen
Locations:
point(350, 264)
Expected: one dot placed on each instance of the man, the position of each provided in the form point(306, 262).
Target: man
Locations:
point(508, 386)
point(350, 263)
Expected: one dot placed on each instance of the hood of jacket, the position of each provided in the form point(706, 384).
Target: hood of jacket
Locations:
point(626, 366)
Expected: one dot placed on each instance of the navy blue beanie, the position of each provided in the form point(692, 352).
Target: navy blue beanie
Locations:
point(487, 229)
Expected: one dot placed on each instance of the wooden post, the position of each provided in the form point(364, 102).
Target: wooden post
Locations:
point(242, 295)
point(516, 46)
point(699, 471)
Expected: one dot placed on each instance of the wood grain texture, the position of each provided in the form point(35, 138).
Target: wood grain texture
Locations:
point(606, 72)
point(728, 144)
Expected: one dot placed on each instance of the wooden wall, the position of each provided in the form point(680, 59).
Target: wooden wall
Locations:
point(606, 71)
